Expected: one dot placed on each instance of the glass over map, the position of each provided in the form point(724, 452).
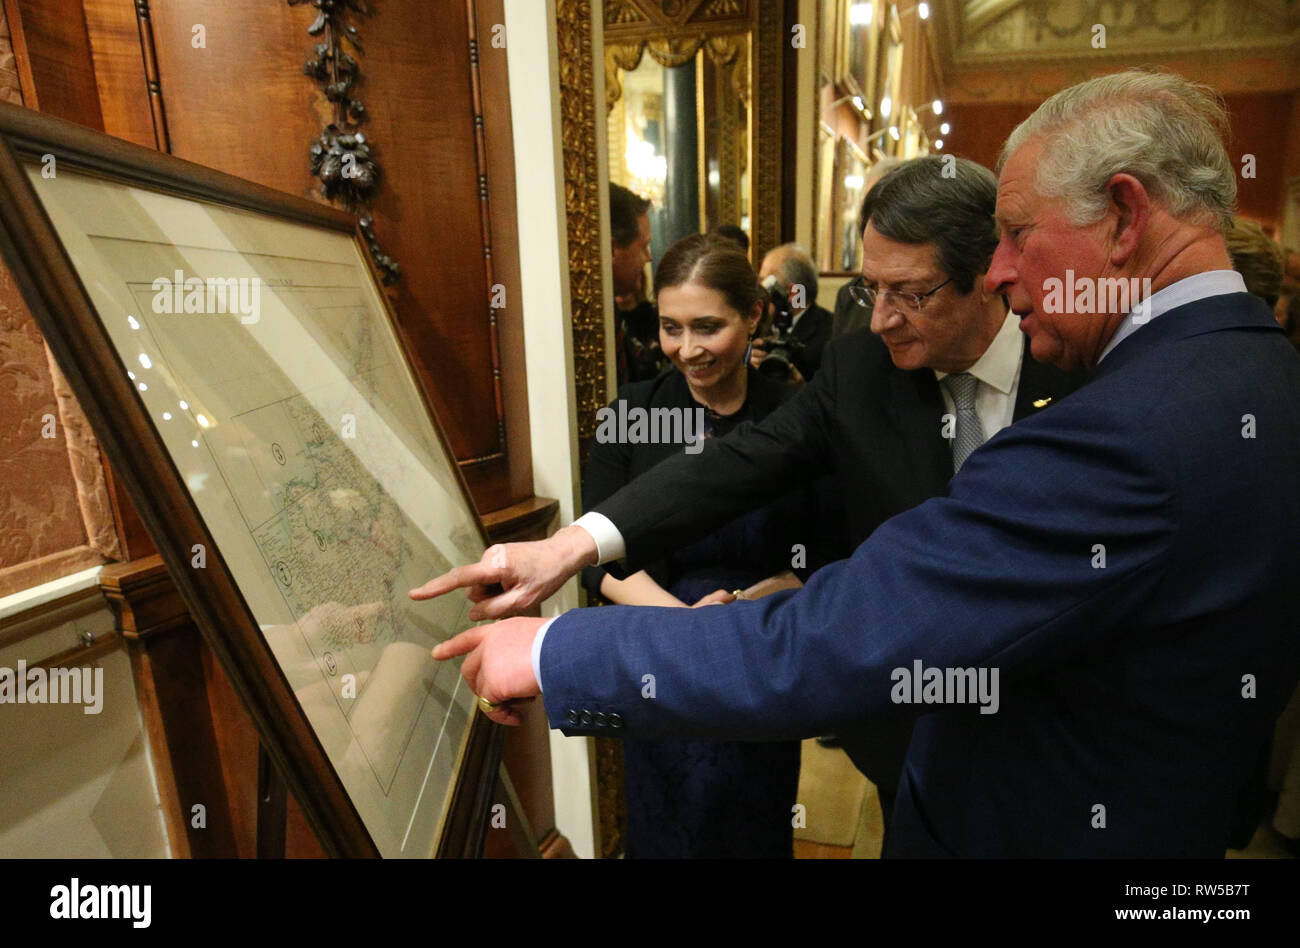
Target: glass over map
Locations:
point(265, 358)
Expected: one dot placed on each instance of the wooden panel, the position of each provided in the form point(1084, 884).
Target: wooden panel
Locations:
point(509, 479)
point(243, 105)
point(237, 746)
point(1259, 128)
point(1258, 123)
point(52, 51)
point(119, 70)
point(167, 661)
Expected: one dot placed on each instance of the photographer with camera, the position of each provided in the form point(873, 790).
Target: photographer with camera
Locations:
point(799, 327)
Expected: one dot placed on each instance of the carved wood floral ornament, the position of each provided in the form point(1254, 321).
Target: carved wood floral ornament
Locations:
point(341, 158)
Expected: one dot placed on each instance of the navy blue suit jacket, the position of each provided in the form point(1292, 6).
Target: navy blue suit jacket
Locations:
point(1133, 695)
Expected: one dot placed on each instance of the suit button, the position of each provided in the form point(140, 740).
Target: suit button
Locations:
point(571, 716)
point(615, 720)
point(601, 719)
point(586, 718)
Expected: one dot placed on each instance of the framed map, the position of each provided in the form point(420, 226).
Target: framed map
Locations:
point(241, 367)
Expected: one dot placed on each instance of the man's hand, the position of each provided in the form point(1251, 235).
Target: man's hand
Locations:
point(498, 664)
point(514, 577)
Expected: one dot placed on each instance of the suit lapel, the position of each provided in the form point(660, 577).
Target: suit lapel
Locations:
point(917, 410)
point(1040, 385)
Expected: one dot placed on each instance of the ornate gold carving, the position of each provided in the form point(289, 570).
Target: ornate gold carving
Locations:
point(675, 50)
point(727, 124)
point(611, 802)
point(643, 19)
point(579, 131)
point(622, 11)
point(623, 57)
point(723, 50)
point(765, 213)
point(1045, 29)
point(721, 9)
point(673, 38)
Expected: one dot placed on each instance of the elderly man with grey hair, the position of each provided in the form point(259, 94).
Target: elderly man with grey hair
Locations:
point(1097, 621)
point(788, 270)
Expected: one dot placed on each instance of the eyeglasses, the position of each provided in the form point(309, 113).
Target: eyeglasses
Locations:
point(866, 296)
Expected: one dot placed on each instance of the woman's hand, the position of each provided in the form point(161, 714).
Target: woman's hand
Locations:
point(718, 597)
point(639, 589)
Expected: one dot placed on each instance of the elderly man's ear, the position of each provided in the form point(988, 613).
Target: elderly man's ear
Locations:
point(1131, 206)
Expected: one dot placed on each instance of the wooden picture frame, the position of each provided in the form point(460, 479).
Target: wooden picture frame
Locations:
point(828, 40)
point(826, 216)
point(891, 79)
point(82, 215)
point(849, 175)
point(859, 45)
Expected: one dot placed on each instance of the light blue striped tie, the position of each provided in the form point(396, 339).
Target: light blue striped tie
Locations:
point(969, 435)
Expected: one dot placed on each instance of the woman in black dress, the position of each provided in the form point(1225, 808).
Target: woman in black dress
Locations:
point(699, 799)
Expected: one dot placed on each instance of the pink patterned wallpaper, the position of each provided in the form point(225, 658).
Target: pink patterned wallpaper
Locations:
point(55, 516)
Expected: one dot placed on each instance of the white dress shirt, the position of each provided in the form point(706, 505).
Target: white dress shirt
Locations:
point(1187, 290)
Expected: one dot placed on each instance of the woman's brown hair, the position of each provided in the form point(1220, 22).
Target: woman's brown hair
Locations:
point(713, 262)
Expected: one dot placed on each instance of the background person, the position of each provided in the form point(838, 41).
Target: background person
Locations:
point(732, 232)
point(704, 799)
point(801, 340)
point(636, 325)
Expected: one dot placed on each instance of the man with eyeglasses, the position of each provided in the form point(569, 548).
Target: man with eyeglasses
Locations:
point(890, 416)
point(947, 364)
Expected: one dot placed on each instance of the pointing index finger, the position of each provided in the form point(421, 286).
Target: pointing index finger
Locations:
point(476, 574)
point(460, 644)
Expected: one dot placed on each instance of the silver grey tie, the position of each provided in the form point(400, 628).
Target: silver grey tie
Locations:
point(969, 435)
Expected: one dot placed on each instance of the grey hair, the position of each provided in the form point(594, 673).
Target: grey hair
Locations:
point(1160, 128)
point(795, 267)
point(941, 200)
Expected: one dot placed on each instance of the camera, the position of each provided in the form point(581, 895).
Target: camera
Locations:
point(782, 348)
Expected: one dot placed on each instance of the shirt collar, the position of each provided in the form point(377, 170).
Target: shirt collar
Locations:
point(1199, 286)
point(1000, 362)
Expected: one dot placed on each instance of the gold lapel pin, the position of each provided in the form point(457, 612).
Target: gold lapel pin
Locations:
point(1041, 402)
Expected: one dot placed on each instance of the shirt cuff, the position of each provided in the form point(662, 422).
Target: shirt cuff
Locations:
point(609, 542)
point(537, 650)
